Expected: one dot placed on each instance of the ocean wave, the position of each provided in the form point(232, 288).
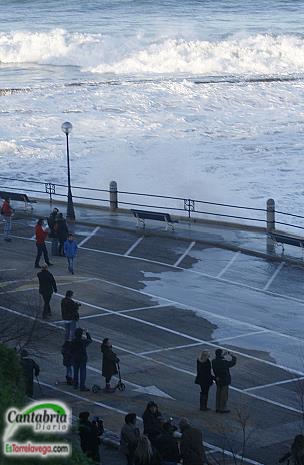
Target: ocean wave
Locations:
point(261, 54)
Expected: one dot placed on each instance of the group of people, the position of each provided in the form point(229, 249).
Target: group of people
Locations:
point(63, 242)
point(161, 443)
point(221, 375)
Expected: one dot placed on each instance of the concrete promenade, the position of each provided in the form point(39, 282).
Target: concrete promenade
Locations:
point(162, 297)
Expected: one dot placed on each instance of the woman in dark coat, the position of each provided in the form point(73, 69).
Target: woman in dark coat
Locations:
point(62, 232)
point(109, 363)
point(153, 422)
point(204, 378)
point(296, 454)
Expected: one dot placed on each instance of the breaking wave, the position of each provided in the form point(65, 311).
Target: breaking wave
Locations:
point(261, 54)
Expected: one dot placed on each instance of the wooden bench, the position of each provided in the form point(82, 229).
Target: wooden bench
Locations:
point(18, 197)
point(142, 215)
point(281, 239)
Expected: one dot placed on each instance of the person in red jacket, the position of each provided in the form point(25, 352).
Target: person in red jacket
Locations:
point(41, 235)
point(7, 213)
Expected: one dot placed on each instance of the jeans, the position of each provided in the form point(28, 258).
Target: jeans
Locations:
point(46, 299)
point(69, 371)
point(221, 398)
point(71, 264)
point(69, 327)
point(54, 246)
point(41, 249)
point(81, 369)
point(7, 226)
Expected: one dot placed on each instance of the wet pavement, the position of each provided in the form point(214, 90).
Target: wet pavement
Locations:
point(162, 300)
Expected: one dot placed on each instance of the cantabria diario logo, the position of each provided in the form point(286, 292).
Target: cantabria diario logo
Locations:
point(50, 417)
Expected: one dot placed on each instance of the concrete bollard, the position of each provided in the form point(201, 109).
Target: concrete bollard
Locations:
point(113, 196)
point(270, 215)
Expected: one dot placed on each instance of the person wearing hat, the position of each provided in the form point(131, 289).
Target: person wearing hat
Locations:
point(89, 437)
point(80, 358)
point(153, 422)
point(204, 378)
point(69, 314)
point(29, 368)
point(7, 213)
point(47, 285)
point(221, 369)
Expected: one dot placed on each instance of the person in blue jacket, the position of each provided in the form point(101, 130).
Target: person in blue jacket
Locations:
point(70, 251)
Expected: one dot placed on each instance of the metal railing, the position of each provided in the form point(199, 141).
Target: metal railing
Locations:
point(181, 206)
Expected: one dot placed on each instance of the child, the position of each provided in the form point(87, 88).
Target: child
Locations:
point(70, 251)
point(67, 361)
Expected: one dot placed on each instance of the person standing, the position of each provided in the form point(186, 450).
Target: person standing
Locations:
point(7, 213)
point(296, 454)
point(70, 315)
point(80, 358)
point(144, 453)
point(129, 436)
point(191, 444)
point(221, 369)
point(70, 251)
point(66, 351)
point(204, 378)
point(29, 368)
point(62, 231)
point(53, 234)
point(41, 235)
point(167, 446)
point(153, 422)
point(47, 285)
point(89, 437)
point(109, 363)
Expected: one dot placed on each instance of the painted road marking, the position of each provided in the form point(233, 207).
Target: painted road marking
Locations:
point(157, 362)
point(252, 333)
point(187, 270)
point(272, 278)
point(88, 237)
point(155, 351)
point(278, 383)
point(181, 258)
point(228, 265)
point(9, 269)
point(133, 246)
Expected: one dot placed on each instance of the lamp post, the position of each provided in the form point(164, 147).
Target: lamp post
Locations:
point(67, 128)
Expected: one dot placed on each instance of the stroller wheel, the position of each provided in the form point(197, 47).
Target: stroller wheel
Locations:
point(95, 388)
point(121, 386)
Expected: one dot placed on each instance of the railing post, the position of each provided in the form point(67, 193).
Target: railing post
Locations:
point(113, 196)
point(270, 215)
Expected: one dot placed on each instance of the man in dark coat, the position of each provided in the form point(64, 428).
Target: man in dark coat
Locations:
point(191, 444)
point(62, 231)
point(47, 285)
point(221, 369)
point(109, 363)
point(153, 422)
point(167, 446)
point(53, 234)
point(70, 315)
point(89, 437)
point(80, 358)
point(29, 368)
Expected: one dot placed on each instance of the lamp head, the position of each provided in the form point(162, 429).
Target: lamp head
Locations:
point(66, 127)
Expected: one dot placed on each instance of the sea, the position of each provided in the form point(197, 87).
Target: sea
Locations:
point(200, 99)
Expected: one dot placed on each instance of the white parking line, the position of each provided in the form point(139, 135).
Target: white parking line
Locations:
point(164, 349)
point(181, 258)
point(275, 274)
point(228, 265)
point(133, 246)
point(88, 237)
point(278, 383)
point(8, 269)
point(158, 362)
point(252, 333)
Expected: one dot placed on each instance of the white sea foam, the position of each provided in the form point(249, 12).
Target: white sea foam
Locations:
point(259, 54)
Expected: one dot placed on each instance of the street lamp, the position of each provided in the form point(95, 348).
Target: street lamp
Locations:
point(67, 128)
